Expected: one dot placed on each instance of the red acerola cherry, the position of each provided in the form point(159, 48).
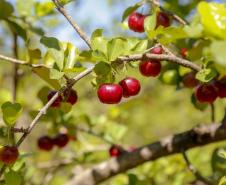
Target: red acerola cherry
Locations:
point(72, 97)
point(110, 93)
point(136, 22)
point(157, 50)
point(189, 80)
point(206, 93)
point(45, 143)
point(115, 151)
point(9, 154)
point(163, 19)
point(57, 102)
point(184, 52)
point(220, 86)
point(61, 140)
point(150, 68)
point(130, 86)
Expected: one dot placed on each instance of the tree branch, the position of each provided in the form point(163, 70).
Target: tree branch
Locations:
point(81, 33)
point(198, 136)
point(194, 170)
point(169, 58)
point(20, 62)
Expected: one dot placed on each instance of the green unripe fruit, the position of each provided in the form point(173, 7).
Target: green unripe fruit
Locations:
point(170, 77)
point(197, 104)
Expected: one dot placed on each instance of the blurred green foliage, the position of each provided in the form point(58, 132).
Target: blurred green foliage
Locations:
point(159, 110)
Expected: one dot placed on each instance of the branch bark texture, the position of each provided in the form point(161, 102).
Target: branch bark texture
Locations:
point(177, 143)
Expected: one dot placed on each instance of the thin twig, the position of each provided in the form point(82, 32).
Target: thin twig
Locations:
point(175, 16)
point(212, 107)
point(19, 130)
point(91, 132)
point(194, 170)
point(81, 33)
point(20, 62)
point(45, 108)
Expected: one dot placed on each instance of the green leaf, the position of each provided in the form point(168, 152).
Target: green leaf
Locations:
point(11, 111)
point(50, 42)
point(70, 56)
point(6, 9)
point(213, 16)
point(102, 68)
point(116, 131)
point(44, 73)
point(98, 42)
point(98, 56)
point(34, 54)
point(140, 47)
point(56, 57)
point(129, 11)
point(13, 178)
point(17, 29)
point(116, 47)
point(217, 49)
point(25, 7)
point(150, 23)
point(55, 74)
point(194, 30)
point(43, 93)
point(222, 181)
point(206, 75)
point(218, 162)
point(43, 9)
point(197, 104)
point(132, 179)
point(65, 107)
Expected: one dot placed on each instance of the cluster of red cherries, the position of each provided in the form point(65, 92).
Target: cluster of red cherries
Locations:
point(136, 21)
point(113, 93)
point(47, 143)
point(69, 97)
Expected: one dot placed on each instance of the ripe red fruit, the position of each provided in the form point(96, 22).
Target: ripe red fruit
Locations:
point(115, 151)
point(130, 86)
point(184, 52)
point(57, 102)
point(61, 140)
point(157, 50)
point(150, 68)
point(9, 154)
point(220, 86)
point(72, 97)
point(206, 93)
point(189, 80)
point(110, 93)
point(45, 143)
point(163, 19)
point(136, 22)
